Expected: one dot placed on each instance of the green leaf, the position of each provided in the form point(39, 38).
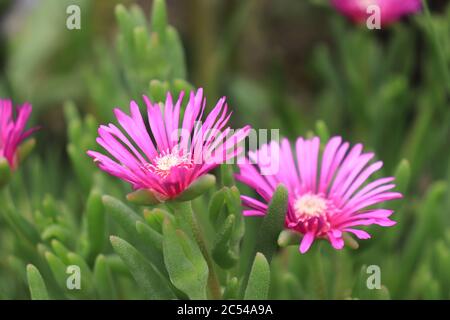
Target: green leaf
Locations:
point(273, 222)
point(231, 289)
point(36, 284)
point(103, 279)
point(5, 172)
point(184, 261)
point(21, 224)
point(226, 175)
point(96, 223)
point(233, 203)
point(322, 131)
point(155, 286)
point(25, 149)
point(402, 176)
point(155, 218)
point(149, 235)
point(158, 90)
point(159, 18)
point(222, 252)
point(215, 205)
point(49, 207)
point(151, 245)
point(60, 250)
point(56, 231)
point(175, 51)
point(259, 280)
point(87, 278)
point(123, 216)
point(58, 269)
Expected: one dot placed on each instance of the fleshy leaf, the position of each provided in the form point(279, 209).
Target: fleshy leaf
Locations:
point(154, 285)
point(197, 188)
point(184, 261)
point(273, 222)
point(222, 253)
point(103, 279)
point(38, 290)
point(259, 280)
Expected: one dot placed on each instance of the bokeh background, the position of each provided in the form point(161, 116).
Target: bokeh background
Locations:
point(298, 66)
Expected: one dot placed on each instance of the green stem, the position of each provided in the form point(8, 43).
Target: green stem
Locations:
point(189, 222)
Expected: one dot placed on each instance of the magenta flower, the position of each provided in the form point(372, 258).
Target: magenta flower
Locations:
point(12, 133)
point(327, 195)
point(171, 156)
point(390, 10)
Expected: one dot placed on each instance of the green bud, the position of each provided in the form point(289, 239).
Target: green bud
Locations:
point(155, 218)
point(181, 85)
point(25, 149)
point(322, 131)
point(158, 90)
point(350, 241)
point(288, 238)
point(226, 175)
point(402, 176)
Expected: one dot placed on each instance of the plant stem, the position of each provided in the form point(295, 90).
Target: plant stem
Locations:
point(189, 221)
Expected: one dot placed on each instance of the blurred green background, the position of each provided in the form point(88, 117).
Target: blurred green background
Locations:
point(294, 65)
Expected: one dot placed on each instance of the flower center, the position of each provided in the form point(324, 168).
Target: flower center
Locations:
point(310, 205)
point(166, 161)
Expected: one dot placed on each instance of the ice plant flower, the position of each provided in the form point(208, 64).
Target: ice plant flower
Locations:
point(328, 193)
point(390, 10)
point(170, 156)
point(12, 131)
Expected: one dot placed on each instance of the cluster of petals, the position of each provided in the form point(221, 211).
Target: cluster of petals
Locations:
point(168, 152)
point(328, 191)
point(389, 10)
point(12, 130)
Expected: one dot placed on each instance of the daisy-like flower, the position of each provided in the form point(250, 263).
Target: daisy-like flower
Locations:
point(328, 194)
point(390, 10)
point(170, 156)
point(12, 131)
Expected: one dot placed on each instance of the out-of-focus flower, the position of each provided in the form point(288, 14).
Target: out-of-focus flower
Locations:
point(390, 10)
point(327, 191)
point(170, 156)
point(12, 132)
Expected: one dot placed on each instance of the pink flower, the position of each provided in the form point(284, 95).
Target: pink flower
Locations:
point(390, 10)
point(174, 155)
point(12, 133)
point(327, 190)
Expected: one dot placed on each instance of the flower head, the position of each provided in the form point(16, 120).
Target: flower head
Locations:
point(328, 194)
point(12, 131)
point(390, 10)
point(170, 156)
